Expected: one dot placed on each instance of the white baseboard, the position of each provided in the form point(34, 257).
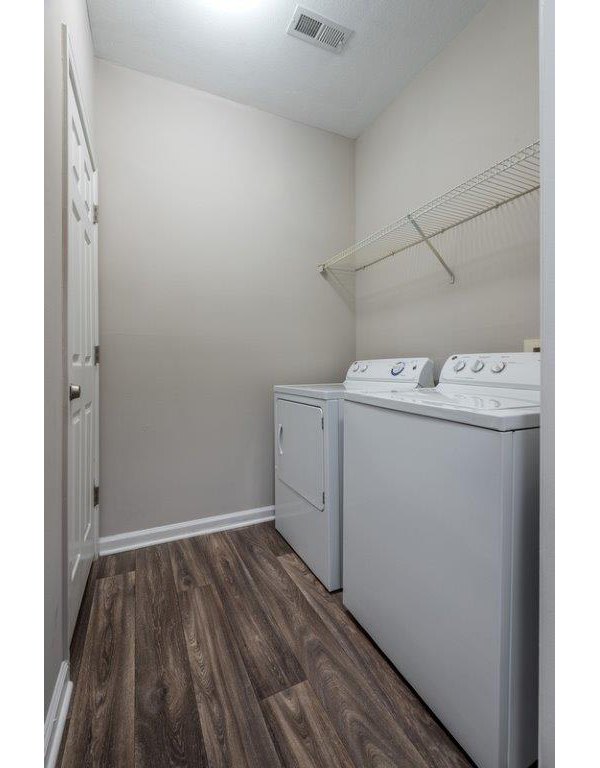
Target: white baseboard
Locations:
point(56, 716)
point(121, 542)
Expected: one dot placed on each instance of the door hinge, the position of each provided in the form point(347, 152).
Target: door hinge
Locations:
point(322, 422)
point(95, 214)
point(323, 498)
point(96, 495)
point(97, 354)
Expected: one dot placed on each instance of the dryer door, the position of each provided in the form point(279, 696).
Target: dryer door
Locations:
point(299, 449)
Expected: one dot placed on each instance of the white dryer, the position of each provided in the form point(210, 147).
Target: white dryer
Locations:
point(441, 545)
point(309, 452)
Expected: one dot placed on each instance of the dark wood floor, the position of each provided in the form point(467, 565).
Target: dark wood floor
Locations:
point(225, 651)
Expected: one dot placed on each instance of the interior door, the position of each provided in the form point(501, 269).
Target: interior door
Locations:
point(299, 446)
point(82, 330)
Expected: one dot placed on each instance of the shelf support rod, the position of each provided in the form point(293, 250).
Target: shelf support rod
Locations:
point(434, 250)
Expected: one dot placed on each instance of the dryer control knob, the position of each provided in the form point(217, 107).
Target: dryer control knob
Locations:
point(355, 367)
point(398, 368)
point(477, 366)
point(363, 367)
point(498, 367)
point(459, 366)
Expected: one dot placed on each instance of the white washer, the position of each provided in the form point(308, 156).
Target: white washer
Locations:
point(441, 545)
point(308, 456)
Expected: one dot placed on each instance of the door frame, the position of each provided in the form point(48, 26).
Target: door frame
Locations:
point(71, 78)
point(547, 429)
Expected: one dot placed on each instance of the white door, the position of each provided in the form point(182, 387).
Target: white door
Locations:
point(82, 324)
point(299, 445)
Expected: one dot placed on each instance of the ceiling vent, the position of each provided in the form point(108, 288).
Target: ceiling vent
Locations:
point(310, 26)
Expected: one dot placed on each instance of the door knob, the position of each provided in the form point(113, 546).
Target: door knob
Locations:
point(74, 391)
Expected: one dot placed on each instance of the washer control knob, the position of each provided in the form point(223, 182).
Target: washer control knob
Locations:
point(459, 366)
point(398, 368)
point(498, 367)
point(477, 366)
point(355, 367)
point(363, 367)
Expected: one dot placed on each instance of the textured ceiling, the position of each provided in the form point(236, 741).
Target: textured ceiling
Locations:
point(239, 49)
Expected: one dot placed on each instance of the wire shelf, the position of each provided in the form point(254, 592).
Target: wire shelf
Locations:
point(508, 180)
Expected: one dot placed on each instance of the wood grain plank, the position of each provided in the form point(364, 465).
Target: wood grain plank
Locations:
point(189, 568)
point(271, 664)
point(430, 739)
point(371, 735)
point(303, 733)
point(101, 731)
point(266, 535)
point(167, 726)
point(233, 727)
point(120, 562)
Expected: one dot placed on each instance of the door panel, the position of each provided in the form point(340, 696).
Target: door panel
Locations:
point(299, 446)
point(82, 329)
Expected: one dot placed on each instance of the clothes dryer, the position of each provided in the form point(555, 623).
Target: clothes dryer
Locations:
point(309, 451)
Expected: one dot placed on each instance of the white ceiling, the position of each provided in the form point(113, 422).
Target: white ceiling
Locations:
point(239, 49)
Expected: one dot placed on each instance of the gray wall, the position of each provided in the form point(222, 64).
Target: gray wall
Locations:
point(476, 103)
point(213, 217)
point(74, 14)
point(547, 613)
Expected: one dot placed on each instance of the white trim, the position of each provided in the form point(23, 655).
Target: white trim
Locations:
point(121, 542)
point(57, 715)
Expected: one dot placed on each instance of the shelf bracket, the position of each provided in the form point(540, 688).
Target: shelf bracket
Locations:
point(433, 249)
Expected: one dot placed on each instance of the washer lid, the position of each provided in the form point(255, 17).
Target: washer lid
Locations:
point(504, 410)
point(471, 401)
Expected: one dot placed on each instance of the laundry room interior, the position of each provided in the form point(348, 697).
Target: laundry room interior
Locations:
point(295, 362)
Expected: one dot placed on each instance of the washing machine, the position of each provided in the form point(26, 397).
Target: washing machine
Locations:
point(309, 451)
point(440, 549)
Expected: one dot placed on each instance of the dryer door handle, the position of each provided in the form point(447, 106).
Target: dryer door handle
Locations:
point(280, 439)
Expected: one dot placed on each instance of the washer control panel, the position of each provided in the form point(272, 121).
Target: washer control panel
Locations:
point(512, 369)
point(415, 370)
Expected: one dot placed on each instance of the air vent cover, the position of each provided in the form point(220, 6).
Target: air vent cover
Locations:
point(316, 29)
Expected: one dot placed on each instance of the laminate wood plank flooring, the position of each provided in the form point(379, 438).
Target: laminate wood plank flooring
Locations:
point(266, 536)
point(111, 565)
point(270, 662)
point(303, 733)
point(233, 728)
point(225, 651)
point(101, 725)
point(189, 568)
point(167, 725)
